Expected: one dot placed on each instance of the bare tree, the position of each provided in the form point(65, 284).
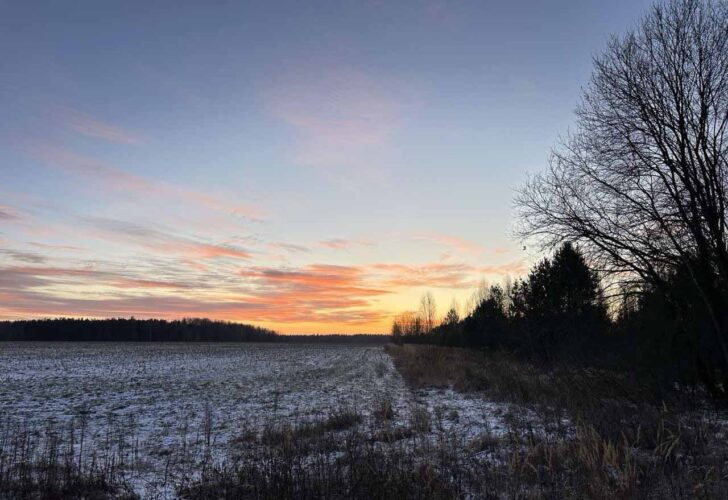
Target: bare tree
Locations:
point(479, 295)
point(407, 324)
point(428, 312)
point(641, 184)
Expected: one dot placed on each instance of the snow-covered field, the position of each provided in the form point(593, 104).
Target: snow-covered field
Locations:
point(176, 399)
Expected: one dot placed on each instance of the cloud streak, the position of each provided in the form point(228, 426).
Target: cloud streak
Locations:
point(313, 297)
point(157, 240)
point(109, 177)
point(338, 115)
point(460, 245)
point(8, 213)
point(89, 126)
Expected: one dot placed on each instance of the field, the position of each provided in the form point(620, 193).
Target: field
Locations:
point(156, 420)
point(156, 411)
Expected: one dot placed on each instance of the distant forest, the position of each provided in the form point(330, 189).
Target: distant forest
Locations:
point(157, 330)
point(134, 330)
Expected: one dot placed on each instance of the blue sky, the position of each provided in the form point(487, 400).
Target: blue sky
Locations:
point(309, 166)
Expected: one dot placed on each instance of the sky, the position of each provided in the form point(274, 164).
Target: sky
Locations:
point(311, 167)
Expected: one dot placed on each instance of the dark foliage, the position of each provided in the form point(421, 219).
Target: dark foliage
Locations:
point(337, 338)
point(642, 183)
point(134, 330)
point(557, 310)
point(558, 313)
point(157, 330)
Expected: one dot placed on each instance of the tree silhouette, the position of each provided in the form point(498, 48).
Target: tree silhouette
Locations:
point(641, 184)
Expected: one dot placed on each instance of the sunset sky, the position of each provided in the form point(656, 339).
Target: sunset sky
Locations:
point(305, 166)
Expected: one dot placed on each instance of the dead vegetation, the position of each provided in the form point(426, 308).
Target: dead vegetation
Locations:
point(615, 437)
point(600, 438)
point(52, 463)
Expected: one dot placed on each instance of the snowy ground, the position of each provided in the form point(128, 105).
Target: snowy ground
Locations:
point(177, 399)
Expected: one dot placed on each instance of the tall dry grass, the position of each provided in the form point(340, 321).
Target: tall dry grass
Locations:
point(616, 437)
point(582, 434)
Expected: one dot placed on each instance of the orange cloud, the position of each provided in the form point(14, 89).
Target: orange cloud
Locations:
point(436, 275)
point(510, 268)
point(141, 283)
point(442, 274)
point(311, 298)
point(314, 298)
point(320, 279)
point(342, 244)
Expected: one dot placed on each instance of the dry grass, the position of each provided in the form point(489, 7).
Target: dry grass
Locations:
point(432, 366)
point(52, 463)
point(612, 442)
point(622, 440)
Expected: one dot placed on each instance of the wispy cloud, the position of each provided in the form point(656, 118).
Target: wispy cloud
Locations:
point(459, 245)
point(514, 268)
point(289, 247)
point(29, 257)
point(435, 275)
point(338, 114)
point(314, 278)
point(157, 240)
point(344, 244)
point(89, 126)
point(53, 247)
point(8, 213)
point(315, 293)
point(110, 177)
point(311, 295)
point(442, 274)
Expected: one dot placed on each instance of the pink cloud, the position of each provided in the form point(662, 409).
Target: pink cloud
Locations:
point(338, 114)
point(8, 213)
point(516, 268)
point(154, 239)
point(110, 177)
point(91, 127)
point(49, 246)
point(436, 275)
point(336, 244)
point(289, 247)
point(314, 297)
point(460, 245)
point(343, 244)
point(441, 274)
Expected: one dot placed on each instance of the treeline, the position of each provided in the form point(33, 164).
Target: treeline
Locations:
point(641, 188)
point(557, 311)
point(134, 330)
point(560, 313)
point(158, 330)
point(336, 338)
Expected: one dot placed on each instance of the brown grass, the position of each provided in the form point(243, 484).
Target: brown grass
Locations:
point(619, 441)
point(624, 440)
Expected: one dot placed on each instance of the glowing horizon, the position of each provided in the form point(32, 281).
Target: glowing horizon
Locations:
point(303, 167)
